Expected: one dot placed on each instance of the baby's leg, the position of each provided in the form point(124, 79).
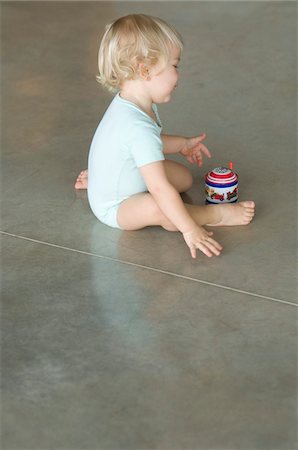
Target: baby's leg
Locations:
point(227, 214)
point(141, 210)
point(82, 180)
point(178, 175)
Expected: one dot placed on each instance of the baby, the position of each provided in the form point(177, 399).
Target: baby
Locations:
point(131, 185)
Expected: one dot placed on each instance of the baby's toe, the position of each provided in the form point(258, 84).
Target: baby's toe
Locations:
point(248, 204)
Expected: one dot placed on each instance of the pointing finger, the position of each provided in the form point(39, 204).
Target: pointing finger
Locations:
point(205, 150)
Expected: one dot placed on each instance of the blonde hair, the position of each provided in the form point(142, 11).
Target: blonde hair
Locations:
point(131, 40)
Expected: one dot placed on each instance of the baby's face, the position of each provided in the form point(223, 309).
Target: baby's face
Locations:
point(164, 77)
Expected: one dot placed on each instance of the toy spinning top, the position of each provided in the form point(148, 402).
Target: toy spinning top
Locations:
point(221, 185)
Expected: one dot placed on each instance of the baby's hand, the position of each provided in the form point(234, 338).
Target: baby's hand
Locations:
point(194, 148)
point(200, 238)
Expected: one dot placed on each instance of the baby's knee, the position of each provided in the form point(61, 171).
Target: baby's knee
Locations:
point(185, 181)
point(188, 179)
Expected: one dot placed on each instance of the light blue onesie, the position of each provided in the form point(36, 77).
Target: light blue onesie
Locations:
point(125, 140)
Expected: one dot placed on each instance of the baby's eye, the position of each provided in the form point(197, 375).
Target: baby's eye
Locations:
point(176, 67)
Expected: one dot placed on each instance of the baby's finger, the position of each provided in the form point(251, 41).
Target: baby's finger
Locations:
point(193, 252)
point(205, 150)
point(215, 243)
point(204, 249)
point(213, 248)
point(190, 159)
point(202, 137)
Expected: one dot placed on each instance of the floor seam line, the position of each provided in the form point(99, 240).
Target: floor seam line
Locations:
point(185, 277)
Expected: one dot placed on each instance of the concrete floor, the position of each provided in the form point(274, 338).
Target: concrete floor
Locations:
point(119, 340)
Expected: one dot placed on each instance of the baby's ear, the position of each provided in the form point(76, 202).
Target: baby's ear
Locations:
point(144, 71)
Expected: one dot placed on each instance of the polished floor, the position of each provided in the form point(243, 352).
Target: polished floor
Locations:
point(118, 340)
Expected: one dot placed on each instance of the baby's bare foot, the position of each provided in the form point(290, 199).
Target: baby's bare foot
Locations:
point(241, 213)
point(82, 180)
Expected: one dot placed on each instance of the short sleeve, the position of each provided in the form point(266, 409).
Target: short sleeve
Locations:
point(146, 145)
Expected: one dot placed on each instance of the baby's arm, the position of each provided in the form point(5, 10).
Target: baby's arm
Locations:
point(173, 144)
point(171, 204)
point(192, 148)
